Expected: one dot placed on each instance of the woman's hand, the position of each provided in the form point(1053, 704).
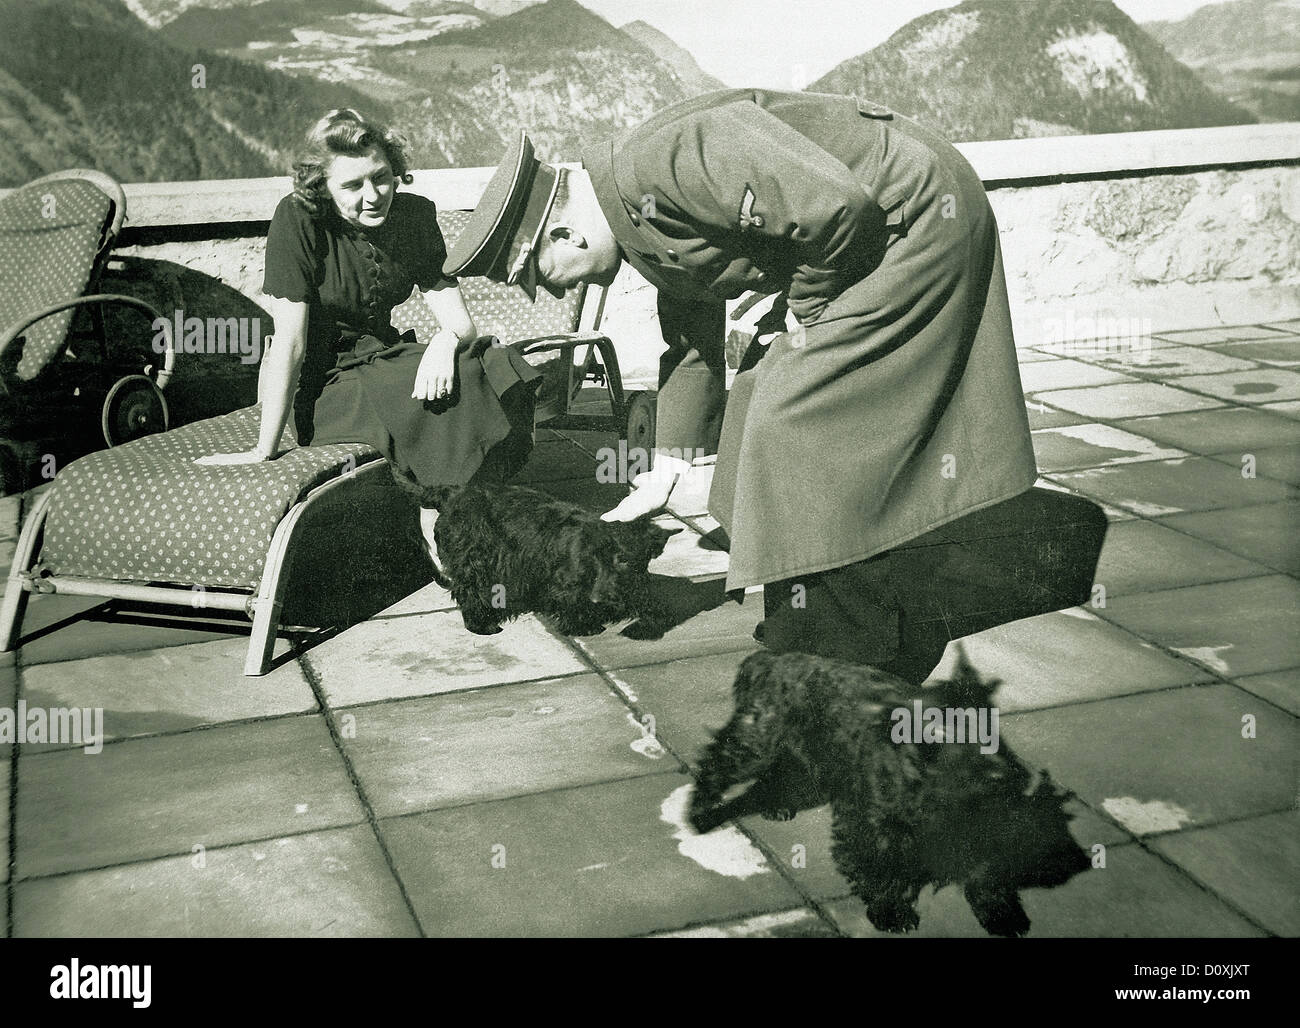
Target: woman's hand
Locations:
point(224, 459)
point(437, 371)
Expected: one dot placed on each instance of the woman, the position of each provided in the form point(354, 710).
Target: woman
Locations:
point(343, 250)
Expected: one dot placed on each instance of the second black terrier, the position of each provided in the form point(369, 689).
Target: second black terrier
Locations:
point(509, 550)
point(905, 814)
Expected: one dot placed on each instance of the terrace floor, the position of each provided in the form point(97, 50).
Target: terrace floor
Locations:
point(403, 777)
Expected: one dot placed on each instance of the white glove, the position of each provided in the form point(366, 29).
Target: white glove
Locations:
point(651, 489)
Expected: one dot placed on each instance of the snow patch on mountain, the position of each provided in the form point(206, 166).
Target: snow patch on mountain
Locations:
point(936, 38)
point(359, 30)
point(1095, 62)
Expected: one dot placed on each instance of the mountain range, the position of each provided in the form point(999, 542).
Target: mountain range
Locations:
point(987, 69)
point(1248, 50)
point(114, 86)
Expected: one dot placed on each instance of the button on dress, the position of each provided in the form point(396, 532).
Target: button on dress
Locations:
point(358, 372)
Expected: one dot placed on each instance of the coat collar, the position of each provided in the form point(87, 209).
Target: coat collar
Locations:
point(639, 247)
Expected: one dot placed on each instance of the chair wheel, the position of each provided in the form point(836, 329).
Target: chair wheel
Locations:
point(134, 407)
point(640, 424)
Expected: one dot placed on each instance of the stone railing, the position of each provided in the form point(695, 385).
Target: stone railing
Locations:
point(1143, 230)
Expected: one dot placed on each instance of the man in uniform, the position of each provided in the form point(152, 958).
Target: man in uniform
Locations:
point(891, 407)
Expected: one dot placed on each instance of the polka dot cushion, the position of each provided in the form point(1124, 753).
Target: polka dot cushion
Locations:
point(145, 512)
point(49, 235)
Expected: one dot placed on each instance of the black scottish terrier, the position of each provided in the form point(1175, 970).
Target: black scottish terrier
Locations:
point(508, 550)
point(904, 814)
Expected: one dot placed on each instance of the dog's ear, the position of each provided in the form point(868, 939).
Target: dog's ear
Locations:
point(641, 540)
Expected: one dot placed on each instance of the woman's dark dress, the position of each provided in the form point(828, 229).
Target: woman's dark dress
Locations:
point(358, 372)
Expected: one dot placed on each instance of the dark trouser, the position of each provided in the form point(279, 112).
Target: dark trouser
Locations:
point(692, 376)
point(853, 613)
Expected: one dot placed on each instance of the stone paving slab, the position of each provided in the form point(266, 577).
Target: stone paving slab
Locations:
point(1280, 688)
point(321, 884)
point(689, 555)
point(1268, 534)
point(591, 442)
point(603, 860)
point(1220, 334)
point(1146, 556)
point(161, 796)
point(1136, 895)
point(92, 635)
point(800, 923)
point(556, 460)
point(170, 690)
point(1167, 760)
point(1157, 488)
point(1282, 353)
point(1112, 513)
point(1064, 373)
point(689, 699)
point(1043, 416)
point(1024, 355)
point(1127, 400)
point(1232, 628)
point(587, 492)
point(1166, 362)
point(466, 747)
point(426, 654)
point(1281, 463)
point(1286, 408)
point(430, 598)
point(1293, 325)
point(1091, 349)
point(1065, 657)
point(1091, 445)
point(1251, 864)
point(1217, 431)
point(703, 619)
point(1264, 385)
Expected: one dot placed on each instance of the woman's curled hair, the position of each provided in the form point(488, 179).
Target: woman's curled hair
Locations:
point(343, 132)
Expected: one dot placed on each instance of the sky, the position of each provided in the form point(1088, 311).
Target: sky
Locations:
point(782, 44)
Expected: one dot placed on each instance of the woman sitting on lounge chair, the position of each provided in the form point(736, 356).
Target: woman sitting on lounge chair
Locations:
point(343, 250)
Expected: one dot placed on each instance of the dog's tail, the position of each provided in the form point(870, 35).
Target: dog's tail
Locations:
point(966, 688)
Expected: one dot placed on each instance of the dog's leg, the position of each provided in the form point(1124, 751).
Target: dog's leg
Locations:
point(737, 754)
point(997, 908)
point(786, 788)
point(879, 873)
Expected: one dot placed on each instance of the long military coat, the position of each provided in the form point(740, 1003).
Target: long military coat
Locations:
point(897, 405)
